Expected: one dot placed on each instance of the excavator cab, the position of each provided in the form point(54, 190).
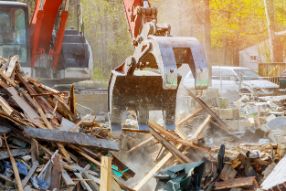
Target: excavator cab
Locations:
point(47, 50)
point(14, 30)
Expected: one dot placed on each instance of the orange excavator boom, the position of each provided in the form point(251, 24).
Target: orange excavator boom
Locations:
point(42, 25)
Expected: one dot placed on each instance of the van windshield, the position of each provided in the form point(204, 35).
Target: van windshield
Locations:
point(246, 74)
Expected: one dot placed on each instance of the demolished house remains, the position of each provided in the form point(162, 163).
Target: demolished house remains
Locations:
point(47, 145)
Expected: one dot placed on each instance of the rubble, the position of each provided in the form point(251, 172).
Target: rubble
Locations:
point(249, 156)
point(46, 145)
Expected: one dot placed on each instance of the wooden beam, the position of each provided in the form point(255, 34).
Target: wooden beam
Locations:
point(171, 148)
point(72, 99)
point(56, 172)
point(14, 167)
point(141, 144)
point(70, 138)
point(21, 102)
point(83, 183)
point(67, 179)
point(222, 125)
point(189, 117)
point(92, 184)
point(106, 174)
point(5, 106)
point(14, 153)
point(82, 153)
point(245, 182)
point(170, 136)
point(12, 65)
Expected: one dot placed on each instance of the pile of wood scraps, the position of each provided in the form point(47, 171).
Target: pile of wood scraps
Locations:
point(45, 145)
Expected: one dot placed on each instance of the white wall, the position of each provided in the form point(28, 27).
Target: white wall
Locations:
point(258, 51)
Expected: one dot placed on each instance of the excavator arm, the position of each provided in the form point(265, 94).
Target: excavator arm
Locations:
point(46, 15)
point(58, 55)
point(138, 12)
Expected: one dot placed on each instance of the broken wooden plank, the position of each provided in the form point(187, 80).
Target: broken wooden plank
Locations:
point(5, 106)
point(222, 124)
point(70, 138)
point(35, 154)
point(67, 125)
point(83, 183)
point(14, 153)
point(92, 182)
point(14, 167)
point(46, 94)
point(17, 120)
point(170, 136)
point(12, 65)
point(44, 104)
point(245, 182)
point(72, 99)
point(27, 109)
point(189, 117)
point(84, 154)
point(43, 116)
point(7, 79)
point(42, 86)
point(227, 172)
point(140, 145)
point(171, 148)
point(106, 173)
point(277, 176)
point(30, 173)
point(56, 172)
point(67, 179)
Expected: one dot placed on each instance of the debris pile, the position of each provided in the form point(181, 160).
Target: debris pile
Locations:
point(214, 152)
point(45, 145)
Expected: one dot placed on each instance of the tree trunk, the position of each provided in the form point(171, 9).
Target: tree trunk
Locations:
point(276, 49)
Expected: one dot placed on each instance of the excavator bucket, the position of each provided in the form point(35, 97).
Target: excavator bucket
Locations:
point(148, 81)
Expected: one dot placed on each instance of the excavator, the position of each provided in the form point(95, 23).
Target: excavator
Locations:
point(148, 80)
point(47, 50)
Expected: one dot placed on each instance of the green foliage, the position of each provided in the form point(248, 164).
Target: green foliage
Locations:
point(243, 22)
point(239, 23)
point(107, 32)
point(98, 74)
